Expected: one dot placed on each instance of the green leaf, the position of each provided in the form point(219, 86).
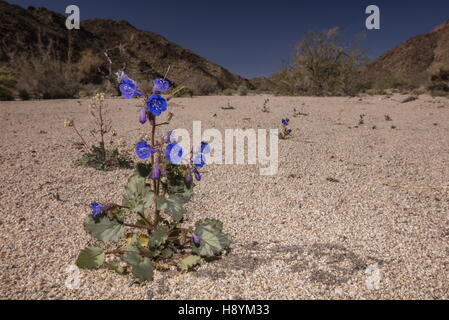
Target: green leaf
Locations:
point(188, 263)
point(90, 258)
point(179, 188)
point(104, 229)
point(159, 236)
point(132, 255)
point(172, 206)
point(167, 253)
point(143, 270)
point(137, 194)
point(213, 240)
point(113, 266)
point(216, 224)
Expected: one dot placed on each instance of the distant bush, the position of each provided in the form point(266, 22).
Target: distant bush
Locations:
point(242, 90)
point(7, 84)
point(45, 77)
point(227, 92)
point(24, 95)
point(439, 83)
point(324, 64)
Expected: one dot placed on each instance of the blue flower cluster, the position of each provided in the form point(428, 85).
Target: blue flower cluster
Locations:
point(144, 150)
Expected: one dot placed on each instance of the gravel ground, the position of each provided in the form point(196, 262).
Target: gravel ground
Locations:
point(324, 227)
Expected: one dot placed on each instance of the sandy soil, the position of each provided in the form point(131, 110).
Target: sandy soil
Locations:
point(297, 235)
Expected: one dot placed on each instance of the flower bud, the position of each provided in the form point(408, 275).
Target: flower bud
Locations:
point(197, 174)
point(156, 175)
point(188, 177)
point(196, 239)
point(143, 115)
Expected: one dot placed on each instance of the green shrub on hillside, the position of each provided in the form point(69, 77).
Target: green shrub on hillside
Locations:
point(7, 84)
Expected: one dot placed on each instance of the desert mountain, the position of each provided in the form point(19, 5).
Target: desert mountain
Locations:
point(108, 46)
point(423, 54)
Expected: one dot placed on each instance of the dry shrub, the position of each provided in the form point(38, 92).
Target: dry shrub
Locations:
point(7, 84)
point(324, 64)
point(439, 83)
point(45, 77)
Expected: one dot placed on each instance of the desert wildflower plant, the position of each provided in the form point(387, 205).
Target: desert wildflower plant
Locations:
point(148, 226)
point(285, 132)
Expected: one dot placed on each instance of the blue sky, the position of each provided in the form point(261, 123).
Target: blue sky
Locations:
point(252, 38)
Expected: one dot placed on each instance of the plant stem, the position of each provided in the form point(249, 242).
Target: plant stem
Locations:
point(155, 182)
point(81, 137)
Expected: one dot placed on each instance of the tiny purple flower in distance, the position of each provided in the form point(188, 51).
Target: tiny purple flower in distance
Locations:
point(290, 131)
point(156, 105)
point(197, 174)
point(156, 175)
point(362, 116)
point(188, 177)
point(129, 89)
point(97, 208)
point(285, 122)
point(160, 85)
point(196, 239)
point(173, 153)
point(143, 115)
point(143, 150)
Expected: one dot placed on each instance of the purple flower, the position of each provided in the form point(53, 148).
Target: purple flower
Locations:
point(289, 131)
point(156, 175)
point(160, 85)
point(129, 89)
point(188, 177)
point(143, 115)
point(197, 174)
point(97, 208)
point(173, 153)
point(362, 116)
point(156, 105)
point(285, 122)
point(196, 239)
point(143, 150)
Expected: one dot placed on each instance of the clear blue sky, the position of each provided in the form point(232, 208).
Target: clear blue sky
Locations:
point(252, 37)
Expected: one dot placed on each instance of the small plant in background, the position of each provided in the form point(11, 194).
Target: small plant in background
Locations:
point(286, 132)
point(362, 119)
point(148, 224)
point(297, 113)
point(265, 106)
point(97, 155)
point(388, 118)
point(228, 107)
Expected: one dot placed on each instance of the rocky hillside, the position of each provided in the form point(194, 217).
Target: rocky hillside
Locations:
point(423, 54)
point(101, 47)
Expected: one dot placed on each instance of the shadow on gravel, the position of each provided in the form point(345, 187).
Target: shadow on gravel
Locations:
point(322, 263)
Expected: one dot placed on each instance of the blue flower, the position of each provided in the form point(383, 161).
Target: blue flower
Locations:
point(285, 122)
point(143, 115)
point(196, 239)
point(204, 148)
point(160, 85)
point(156, 105)
point(156, 172)
point(97, 208)
point(289, 131)
point(362, 116)
point(199, 160)
point(143, 150)
point(129, 89)
point(173, 153)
